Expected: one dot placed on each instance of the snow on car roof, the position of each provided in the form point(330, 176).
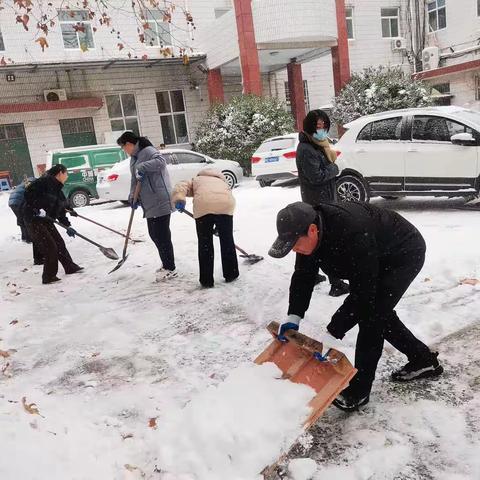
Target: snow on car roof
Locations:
point(433, 110)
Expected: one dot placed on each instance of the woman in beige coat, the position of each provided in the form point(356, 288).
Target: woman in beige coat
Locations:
point(213, 206)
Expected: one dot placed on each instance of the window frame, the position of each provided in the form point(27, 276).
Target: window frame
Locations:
point(369, 125)
point(123, 117)
point(306, 95)
point(477, 87)
point(172, 114)
point(2, 42)
point(158, 24)
point(474, 132)
point(436, 10)
point(350, 17)
point(390, 18)
point(195, 154)
point(86, 23)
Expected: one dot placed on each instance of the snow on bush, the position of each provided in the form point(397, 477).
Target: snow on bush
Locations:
point(377, 89)
point(234, 130)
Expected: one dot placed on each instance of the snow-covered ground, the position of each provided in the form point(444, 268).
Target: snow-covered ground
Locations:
point(110, 361)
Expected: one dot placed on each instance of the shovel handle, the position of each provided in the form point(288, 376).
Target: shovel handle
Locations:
point(243, 252)
point(76, 234)
point(136, 193)
point(103, 226)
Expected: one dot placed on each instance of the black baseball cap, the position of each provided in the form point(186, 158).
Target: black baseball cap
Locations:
point(292, 222)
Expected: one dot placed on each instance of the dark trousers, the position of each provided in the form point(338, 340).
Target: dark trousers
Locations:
point(18, 213)
point(159, 231)
point(205, 228)
point(395, 276)
point(37, 254)
point(52, 248)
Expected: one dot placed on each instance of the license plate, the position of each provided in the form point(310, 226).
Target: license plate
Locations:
point(271, 159)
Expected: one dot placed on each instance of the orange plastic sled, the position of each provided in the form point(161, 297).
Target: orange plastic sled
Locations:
point(298, 360)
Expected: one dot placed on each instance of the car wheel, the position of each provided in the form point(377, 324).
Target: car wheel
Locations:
point(231, 178)
point(389, 197)
point(79, 199)
point(352, 189)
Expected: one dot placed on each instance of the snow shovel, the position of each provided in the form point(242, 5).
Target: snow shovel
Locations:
point(136, 193)
point(250, 258)
point(108, 252)
point(106, 228)
point(301, 360)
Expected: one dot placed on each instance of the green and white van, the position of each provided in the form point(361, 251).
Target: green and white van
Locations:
point(83, 164)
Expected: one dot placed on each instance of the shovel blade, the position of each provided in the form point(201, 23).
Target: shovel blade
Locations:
point(252, 259)
point(119, 264)
point(110, 253)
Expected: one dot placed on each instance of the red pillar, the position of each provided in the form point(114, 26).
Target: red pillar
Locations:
point(340, 57)
point(297, 95)
point(251, 77)
point(215, 86)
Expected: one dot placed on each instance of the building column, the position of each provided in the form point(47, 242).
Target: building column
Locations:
point(215, 86)
point(297, 94)
point(250, 65)
point(340, 56)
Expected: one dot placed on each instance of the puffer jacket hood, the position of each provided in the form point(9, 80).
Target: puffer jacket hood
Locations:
point(211, 172)
point(210, 191)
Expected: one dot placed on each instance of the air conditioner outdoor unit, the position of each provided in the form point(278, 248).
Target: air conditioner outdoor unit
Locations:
point(430, 58)
point(399, 44)
point(54, 95)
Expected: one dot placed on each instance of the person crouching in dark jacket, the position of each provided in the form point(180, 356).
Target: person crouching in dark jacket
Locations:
point(45, 202)
point(317, 171)
point(149, 167)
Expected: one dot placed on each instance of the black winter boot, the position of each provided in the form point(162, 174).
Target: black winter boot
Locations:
point(422, 368)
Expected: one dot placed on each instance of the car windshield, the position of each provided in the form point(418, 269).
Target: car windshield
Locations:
point(280, 143)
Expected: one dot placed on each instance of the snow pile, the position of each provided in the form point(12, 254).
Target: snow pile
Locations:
point(234, 430)
point(302, 468)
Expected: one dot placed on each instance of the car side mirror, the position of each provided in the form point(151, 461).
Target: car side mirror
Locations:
point(465, 139)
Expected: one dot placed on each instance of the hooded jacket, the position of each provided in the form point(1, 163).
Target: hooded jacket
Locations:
point(155, 194)
point(210, 191)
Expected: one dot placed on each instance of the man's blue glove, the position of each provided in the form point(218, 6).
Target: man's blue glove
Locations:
point(180, 205)
point(71, 232)
point(139, 176)
point(292, 323)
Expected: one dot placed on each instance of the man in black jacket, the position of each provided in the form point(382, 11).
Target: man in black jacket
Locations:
point(380, 253)
point(44, 202)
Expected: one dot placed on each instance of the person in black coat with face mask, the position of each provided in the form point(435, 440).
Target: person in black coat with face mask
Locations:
point(317, 171)
point(45, 202)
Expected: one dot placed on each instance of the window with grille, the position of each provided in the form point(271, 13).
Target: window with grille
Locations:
point(173, 116)
point(122, 111)
point(437, 15)
point(158, 32)
point(305, 95)
point(76, 29)
point(390, 22)
point(76, 125)
point(349, 20)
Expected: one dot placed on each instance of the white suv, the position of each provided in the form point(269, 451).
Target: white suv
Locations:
point(430, 151)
